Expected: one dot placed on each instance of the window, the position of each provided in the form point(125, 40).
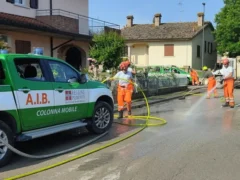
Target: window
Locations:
point(166, 70)
point(10, 1)
point(205, 46)
point(125, 51)
point(34, 4)
point(62, 72)
point(2, 74)
point(23, 47)
point(20, 2)
point(169, 50)
point(198, 51)
point(29, 69)
point(3, 38)
point(175, 71)
point(210, 48)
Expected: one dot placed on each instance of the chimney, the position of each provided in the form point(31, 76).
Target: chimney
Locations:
point(157, 19)
point(130, 21)
point(200, 19)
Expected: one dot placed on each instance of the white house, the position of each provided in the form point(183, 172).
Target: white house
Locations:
point(179, 43)
point(62, 28)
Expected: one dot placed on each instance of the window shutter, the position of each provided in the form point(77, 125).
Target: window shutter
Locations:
point(34, 4)
point(198, 50)
point(23, 47)
point(168, 49)
point(27, 47)
point(10, 1)
point(19, 46)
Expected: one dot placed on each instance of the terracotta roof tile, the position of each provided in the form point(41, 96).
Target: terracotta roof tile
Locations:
point(32, 23)
point(184, 30)
point(11, 18)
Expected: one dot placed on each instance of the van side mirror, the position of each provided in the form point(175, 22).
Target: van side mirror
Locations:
point(83, 79)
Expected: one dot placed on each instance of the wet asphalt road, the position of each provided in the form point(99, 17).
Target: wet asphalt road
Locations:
point(201, 141)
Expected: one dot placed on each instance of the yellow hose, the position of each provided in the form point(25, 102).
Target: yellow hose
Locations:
point(143, 126)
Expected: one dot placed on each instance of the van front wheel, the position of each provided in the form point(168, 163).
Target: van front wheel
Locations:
point(7, 136)
point(102, 118)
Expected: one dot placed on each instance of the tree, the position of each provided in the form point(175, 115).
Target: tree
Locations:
point(107, 49)
point(227, 33)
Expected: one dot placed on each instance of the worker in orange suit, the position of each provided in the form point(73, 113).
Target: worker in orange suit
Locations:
point(194, 76)
point(211, 82)
point(124, 91)
point(228, 86)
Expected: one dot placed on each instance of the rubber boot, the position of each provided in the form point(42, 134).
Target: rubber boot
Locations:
point(120, 114)
point(231, 105)
point(226, 104)
point(129, 112)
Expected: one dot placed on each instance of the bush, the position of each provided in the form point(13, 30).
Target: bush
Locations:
point(107, 49)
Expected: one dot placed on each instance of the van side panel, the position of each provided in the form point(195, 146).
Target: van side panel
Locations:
point(8, 101)
point(8, 104)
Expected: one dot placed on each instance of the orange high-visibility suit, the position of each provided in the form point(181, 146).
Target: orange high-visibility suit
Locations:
point(211, 83)
point(124, 95)
point(227, 72)
point(131, 85)
point(228, 91)
point(124, 91)
point(194, 76)
point(212, 87)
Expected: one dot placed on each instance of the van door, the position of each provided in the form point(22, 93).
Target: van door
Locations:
point(71, 97)
point(34, 92)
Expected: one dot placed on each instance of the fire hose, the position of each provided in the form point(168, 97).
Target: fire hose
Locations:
point(143, 126)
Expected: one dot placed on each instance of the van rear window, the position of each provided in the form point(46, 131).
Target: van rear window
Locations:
point(29, 69)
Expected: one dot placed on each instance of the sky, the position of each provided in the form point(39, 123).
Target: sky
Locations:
point(115, 11)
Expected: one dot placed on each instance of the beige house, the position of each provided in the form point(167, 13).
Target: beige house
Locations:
point(62, 28)
point(179, 44)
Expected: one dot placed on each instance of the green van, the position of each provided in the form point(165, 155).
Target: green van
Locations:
point(41, 95)
point(155, 70)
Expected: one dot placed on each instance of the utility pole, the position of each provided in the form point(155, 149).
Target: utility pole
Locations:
point(203, 39)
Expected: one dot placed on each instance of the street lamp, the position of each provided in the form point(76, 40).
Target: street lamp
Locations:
point(203, 48)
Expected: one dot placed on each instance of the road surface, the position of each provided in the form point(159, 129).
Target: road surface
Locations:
point(200, 141)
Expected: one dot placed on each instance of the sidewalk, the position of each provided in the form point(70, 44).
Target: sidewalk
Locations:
point(138, 103)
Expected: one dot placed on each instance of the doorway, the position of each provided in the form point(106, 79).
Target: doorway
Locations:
point(73, 57)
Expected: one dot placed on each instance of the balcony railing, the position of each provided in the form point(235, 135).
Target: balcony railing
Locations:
point(84, 25)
